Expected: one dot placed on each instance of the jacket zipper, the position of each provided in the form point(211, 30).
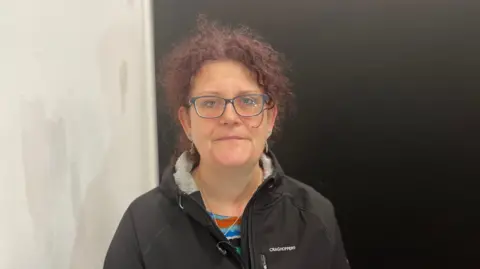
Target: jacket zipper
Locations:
point(250, 240)
point(252, 263)
point(215, 227)
point(264, 261)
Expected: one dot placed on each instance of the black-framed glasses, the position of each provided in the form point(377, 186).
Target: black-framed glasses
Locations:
point(248, 105)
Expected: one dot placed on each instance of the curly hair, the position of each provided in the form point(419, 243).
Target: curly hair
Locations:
point(211, 42)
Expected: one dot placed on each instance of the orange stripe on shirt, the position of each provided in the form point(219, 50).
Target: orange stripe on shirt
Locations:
point(225, 223)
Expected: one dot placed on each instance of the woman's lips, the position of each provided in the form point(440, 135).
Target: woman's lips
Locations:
point(230, 138)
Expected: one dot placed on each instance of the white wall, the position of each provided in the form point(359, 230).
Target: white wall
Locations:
point(77, 127)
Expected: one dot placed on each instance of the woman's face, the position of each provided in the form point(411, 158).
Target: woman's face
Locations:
point(231, 139)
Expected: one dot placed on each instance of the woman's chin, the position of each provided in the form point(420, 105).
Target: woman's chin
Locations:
point(232, 157)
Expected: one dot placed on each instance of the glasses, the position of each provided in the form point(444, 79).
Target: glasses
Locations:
point(248, 105)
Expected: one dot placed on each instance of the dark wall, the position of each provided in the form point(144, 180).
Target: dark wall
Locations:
point(388, 117)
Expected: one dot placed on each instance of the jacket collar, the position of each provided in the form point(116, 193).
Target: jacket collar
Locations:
point(184, 166)
point(177, 180)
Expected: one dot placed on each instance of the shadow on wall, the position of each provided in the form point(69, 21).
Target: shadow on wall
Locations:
point(44, 155)
point(117, 183)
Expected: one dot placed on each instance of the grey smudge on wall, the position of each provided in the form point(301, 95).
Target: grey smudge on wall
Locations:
point(44, 154)
point(123, 77)
point(75, 189)
point(98, 214)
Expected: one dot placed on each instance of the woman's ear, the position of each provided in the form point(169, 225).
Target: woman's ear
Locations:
point(184, 118)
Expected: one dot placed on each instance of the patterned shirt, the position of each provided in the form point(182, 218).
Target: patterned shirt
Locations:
point(232, 233)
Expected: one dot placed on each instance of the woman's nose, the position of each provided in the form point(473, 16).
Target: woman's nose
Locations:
point(229, 115)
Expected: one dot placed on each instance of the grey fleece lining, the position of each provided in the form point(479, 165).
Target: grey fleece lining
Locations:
point(184, 179)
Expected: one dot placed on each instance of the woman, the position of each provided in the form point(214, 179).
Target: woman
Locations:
point(226, 203)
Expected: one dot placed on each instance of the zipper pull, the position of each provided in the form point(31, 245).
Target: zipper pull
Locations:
point(264, 261)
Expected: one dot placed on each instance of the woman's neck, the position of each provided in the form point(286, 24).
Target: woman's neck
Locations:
point(226, 191)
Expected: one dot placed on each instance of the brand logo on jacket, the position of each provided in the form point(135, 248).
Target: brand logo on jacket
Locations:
point(282, 249)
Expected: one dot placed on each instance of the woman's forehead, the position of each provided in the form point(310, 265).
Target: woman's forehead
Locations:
point(224, 78)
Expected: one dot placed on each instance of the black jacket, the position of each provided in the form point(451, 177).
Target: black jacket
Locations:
point(286, 225)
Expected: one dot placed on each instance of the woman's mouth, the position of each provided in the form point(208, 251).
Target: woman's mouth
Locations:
point(230, 138)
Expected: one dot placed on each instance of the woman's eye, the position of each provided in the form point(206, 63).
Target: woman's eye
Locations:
point(248, 101)
point(209, 103)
